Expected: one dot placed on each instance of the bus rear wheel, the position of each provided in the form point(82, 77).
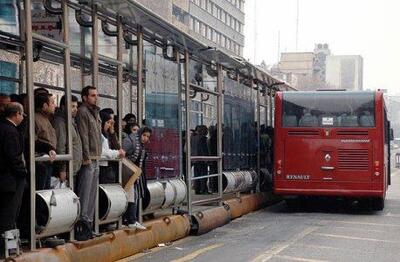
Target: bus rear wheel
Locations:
point(378, 203)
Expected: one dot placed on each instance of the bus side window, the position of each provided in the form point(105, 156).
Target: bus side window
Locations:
point(366, 119)
point(289, 120)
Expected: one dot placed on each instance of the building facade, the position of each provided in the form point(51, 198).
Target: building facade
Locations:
point(216, 23)
point(345, 72)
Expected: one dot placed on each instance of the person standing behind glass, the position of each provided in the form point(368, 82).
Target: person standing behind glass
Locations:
point(134, 145)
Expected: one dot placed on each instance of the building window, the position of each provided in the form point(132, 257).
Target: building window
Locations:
point(223, 39)
point(214, 35)
point(215, 10)
point(218, 37)
point(203, 30)
point(179, 14)
point(209, 32)
point(197, 26)
point(209, 6)
point(191, 23)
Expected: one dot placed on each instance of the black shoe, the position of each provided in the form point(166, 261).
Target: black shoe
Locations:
point(53, 242)
point(83, 231)
point(94, 234)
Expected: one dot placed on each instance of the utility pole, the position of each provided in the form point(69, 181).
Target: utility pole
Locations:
point(279, 47)
point(255, 32)
point(297, 26)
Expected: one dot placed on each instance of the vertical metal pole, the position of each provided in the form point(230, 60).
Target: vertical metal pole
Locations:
point(139, 76)
point(238, 82)
point(31, 113)
point(120, 42)
point(270, 108)
point(219, 130)
point(140, 88)
point(95, 81)
point(188, 151)
point(265, 97)
point(68, 93)
point(95, 47)
point(82, 53)
point(180, 114)
point(258, 138)
point(271, 111)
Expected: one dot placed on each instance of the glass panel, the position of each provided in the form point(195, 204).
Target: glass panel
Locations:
point(107, 103)
point(44, 23)
point(328, 109)
point(239, 139)
point(107, 85)
point(162, 101)
point(75, 33)
point(107, 44)
point(48, 73)
point(9, 67)
point(126, 98)
point(9, 21)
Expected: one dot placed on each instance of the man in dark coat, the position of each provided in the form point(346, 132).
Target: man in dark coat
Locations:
point(12, 167)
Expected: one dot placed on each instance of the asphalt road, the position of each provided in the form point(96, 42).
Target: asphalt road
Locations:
point(319, 231)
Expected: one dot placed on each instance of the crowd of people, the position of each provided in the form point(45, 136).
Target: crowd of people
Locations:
point(94, 136)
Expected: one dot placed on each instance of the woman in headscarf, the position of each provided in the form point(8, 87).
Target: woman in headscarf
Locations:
point(134, 145)
point(107, 174)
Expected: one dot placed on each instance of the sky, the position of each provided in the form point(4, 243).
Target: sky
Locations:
point(370, 28)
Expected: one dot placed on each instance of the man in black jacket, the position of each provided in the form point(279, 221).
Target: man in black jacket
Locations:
point(12, 167)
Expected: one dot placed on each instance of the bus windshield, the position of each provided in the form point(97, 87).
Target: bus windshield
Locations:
point(328, 109)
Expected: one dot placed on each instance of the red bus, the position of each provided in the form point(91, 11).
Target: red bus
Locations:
point(332, 143)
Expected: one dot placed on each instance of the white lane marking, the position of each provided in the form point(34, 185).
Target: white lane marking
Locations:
point(318, 246)
point(356, 238)
point(300, 259)
point(267, 255)
point(360, 229)
point(363, 223)
point(389, 214)
point(196, 253)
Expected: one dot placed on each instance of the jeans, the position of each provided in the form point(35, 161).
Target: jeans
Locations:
point(87, 184)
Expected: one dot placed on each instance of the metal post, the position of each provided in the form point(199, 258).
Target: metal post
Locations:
point(258, 139)
point(95, 47)
point(31, 113)
point(82, 54)
point(180, 115)
point(140, 93)
point(220, 109)
point(95, 81)
point(188, 151)
point(238, 82)
point(68, 93)
point(270, 108)
point(139, 76)
point(120, 42)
